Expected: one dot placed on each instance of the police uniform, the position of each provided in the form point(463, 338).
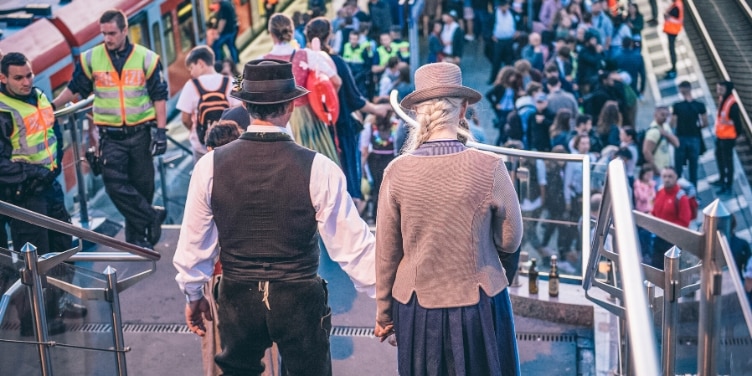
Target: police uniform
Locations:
point(358, 59)
point(125, 85)
point(30, 157)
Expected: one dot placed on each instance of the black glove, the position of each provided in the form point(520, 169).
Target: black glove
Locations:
point(159, 142)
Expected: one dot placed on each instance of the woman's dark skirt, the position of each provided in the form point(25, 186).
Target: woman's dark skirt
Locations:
point(474, 340)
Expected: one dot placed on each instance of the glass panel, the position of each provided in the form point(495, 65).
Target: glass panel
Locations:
point(138, 31)
point(551, 202)
point(169, 38)
point(93, 332)
point(157, 38)
point(185, 22)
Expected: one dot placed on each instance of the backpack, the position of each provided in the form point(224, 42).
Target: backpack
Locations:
point(689, 190)
point(641, 141)
point(211, 104)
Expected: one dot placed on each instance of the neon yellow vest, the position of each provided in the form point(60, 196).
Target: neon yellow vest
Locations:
point(385, 55)
point(33, 138)
point(403, 47)
point(354, 55)
point(120, 99)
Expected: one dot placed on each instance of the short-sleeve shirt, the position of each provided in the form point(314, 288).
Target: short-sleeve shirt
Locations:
point(663, 154)
point(188, 101)
point(688, 118)
point(227, 12)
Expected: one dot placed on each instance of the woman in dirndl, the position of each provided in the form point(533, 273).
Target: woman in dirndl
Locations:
point(449, 222)
point(307, 129)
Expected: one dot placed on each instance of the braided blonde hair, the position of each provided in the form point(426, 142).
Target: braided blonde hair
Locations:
point(436, 114)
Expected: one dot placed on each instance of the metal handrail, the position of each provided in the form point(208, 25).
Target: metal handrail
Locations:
point(34, 218)
point(638, 316)
point(76, 107)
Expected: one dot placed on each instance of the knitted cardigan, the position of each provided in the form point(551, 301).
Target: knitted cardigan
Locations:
point(443, 221)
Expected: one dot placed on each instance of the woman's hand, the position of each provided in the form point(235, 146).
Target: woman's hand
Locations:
point(383, 332)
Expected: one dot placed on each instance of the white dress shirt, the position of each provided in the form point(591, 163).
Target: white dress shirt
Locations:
point(346, 236)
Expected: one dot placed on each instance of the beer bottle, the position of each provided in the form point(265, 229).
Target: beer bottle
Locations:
point(532, 276)
point(553, 278)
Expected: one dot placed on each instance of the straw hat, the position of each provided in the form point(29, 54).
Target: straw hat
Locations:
point(268, 81)
point(439, 80)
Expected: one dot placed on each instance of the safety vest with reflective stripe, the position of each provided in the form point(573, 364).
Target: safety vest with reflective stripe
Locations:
point(673, 25)
point(33, 138)
point(403, 47)
point(121, 99)
point(354, 55)
point(724, 126)
point(385, 55)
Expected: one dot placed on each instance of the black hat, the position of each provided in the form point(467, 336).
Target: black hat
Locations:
point(268, 81)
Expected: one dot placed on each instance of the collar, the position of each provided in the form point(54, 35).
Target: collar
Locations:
point(253, 128)
point(27, 98)
point(124, 53)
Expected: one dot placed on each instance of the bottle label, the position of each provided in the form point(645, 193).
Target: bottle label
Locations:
point(553, 286)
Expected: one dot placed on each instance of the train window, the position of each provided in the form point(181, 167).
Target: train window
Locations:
point(185, 22)
point(169, 38)
point(138, 31)
point(157, 38)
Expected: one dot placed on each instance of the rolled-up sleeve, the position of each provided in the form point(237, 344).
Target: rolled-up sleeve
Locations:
point(347, 238)
point(197, 247)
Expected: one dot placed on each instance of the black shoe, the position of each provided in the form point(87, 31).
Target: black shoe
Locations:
point(653, 22)
point(154, 231)
point(716, 183)
point(670, 74)
point(70, 310)
point(143, 244)
point(724, 191)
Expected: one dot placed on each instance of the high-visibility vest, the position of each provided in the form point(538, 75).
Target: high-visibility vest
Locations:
point(673, 25)
point(724, 126)
point(354, 55)
point(385, 55)
point(121, 99)
point(403, 47)
point(33, 138)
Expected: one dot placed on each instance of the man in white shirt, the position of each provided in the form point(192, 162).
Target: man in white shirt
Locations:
point(200, 63)
point(265, 201)
point(502, 40)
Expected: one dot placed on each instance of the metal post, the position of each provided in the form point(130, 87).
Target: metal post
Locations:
point(412, 36)
point(33, 282)
point(716, 218)
point(672, 287)
point(75, 145)
point(117, 324)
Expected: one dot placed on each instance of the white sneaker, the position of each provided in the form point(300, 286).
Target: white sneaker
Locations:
point(469, 37)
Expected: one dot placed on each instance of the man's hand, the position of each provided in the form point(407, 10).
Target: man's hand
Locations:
point(159, 142)
point(196, 312)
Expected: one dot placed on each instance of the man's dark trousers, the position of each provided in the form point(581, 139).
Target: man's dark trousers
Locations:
point(688, 151)
point(128, 174)
point(297, 318)
point(724, 154)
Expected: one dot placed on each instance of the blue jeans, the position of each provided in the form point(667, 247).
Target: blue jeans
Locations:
point(687, 151)
point(229, 40)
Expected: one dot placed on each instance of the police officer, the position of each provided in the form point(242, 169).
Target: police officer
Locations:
point(30, 157)
point(129, 97)
point(358, 57)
